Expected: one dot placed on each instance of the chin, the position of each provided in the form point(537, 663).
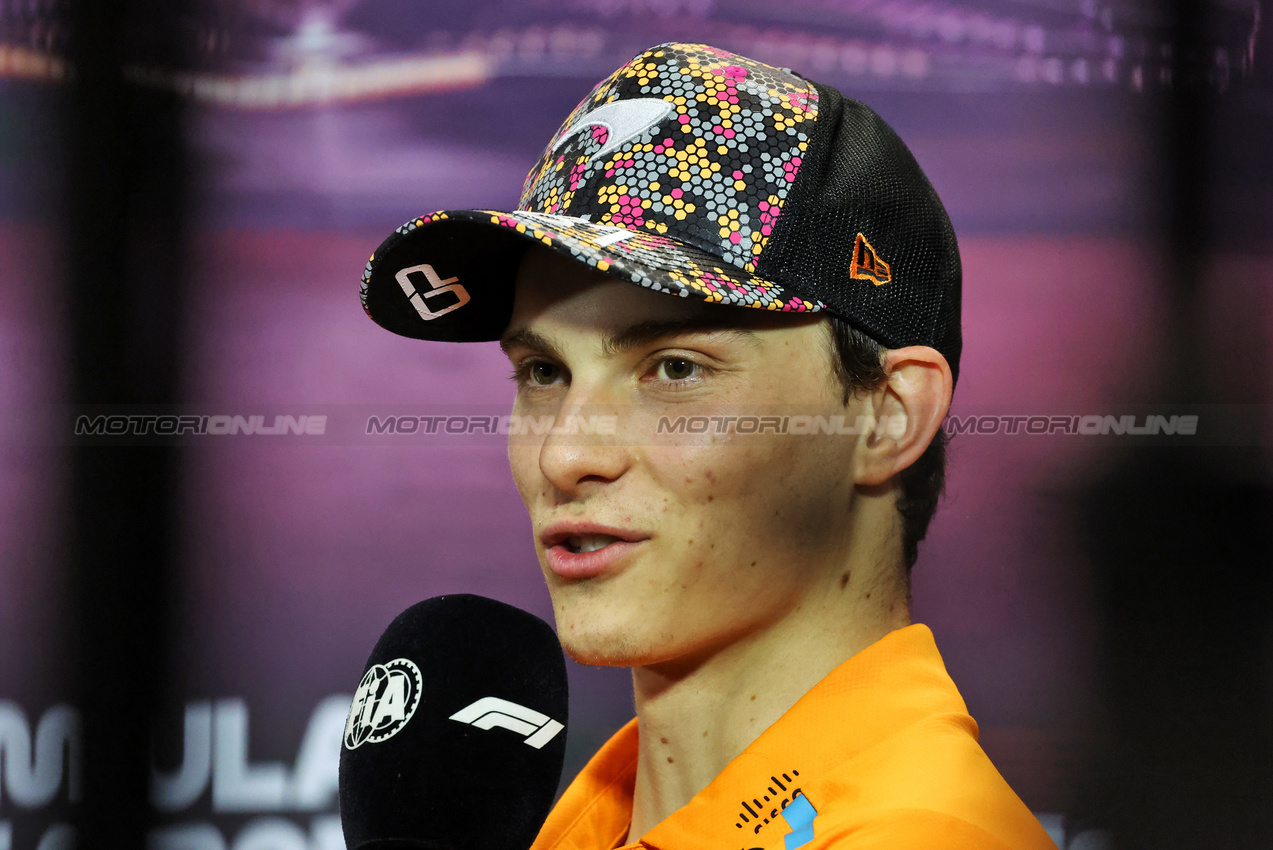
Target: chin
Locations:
point(625, 649)
point(602, 650)
point(595, 657)
point(593, 639)
point(594, 627)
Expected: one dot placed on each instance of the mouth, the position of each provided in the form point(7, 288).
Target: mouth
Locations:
point(589, 542)
point(586, 536)
point(577, 550)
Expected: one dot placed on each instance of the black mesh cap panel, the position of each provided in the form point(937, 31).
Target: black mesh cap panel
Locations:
point(858, 181)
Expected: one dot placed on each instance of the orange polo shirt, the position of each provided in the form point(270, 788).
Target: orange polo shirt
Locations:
point(879, 755)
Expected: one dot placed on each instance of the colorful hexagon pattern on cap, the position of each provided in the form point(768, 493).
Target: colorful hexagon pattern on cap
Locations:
point(672, 173)
point(686, 141)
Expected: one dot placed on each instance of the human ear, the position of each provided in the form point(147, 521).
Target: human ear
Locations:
point(908, 410)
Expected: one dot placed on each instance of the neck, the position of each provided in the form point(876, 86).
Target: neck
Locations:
point(697, 714)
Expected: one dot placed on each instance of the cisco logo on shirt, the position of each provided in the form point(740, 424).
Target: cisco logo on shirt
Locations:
point(767, 805)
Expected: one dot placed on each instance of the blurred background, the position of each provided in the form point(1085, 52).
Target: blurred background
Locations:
point(189, 192)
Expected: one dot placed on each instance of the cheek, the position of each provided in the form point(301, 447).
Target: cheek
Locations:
point(695, 473)
point(756, 492)
point(523, 461)
point(727, 475)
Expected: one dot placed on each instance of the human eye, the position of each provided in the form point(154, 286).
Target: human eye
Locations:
point(677, 370)
point(536, 373)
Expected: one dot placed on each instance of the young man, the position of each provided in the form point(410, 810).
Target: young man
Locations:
point(742, 536)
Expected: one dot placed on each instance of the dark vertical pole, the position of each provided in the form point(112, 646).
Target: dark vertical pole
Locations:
point(1182, 540)
point(124, 293)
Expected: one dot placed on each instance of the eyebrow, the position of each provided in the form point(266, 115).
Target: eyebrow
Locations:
point(635, 335)
point(650, 331)
point(528, 339)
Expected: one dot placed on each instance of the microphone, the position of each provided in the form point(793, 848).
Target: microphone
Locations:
point(456, 736)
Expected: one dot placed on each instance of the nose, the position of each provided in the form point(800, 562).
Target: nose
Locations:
point(583, 449)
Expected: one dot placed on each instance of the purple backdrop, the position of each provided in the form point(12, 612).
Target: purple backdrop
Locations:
point(1035, 127)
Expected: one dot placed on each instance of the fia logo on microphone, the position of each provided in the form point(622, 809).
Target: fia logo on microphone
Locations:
point(386, 698)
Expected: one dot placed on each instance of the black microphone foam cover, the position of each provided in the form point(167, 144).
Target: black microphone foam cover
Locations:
point(456, 735)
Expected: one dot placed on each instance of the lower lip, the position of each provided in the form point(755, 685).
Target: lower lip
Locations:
point(580, 565)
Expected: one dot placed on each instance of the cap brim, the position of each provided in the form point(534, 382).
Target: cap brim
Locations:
point(449, 275)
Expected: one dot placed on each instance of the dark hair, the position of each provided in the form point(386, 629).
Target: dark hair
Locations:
point(858, 365)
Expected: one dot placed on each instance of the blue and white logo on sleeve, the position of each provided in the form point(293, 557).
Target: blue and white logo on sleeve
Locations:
point(799, 815)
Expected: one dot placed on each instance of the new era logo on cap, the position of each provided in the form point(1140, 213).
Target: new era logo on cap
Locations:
point(867, 265)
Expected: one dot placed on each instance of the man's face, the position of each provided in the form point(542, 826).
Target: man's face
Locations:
point(655, 547)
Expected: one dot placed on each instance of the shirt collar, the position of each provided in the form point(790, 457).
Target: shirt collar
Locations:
point(886, 687)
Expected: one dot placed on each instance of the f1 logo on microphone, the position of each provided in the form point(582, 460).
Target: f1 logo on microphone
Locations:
point(489, 712)
point(437, 286)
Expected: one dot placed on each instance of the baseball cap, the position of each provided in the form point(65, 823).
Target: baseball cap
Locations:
point(704, 174)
